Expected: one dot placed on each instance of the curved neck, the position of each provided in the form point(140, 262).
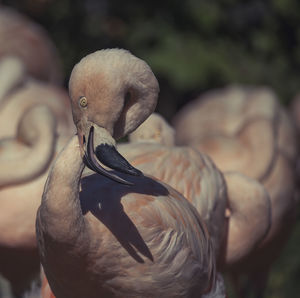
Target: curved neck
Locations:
point(62, 233)
point(28, 155)
point(60, 209)
point(142, 89)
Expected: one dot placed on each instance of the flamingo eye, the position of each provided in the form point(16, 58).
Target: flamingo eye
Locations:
point(83, 101)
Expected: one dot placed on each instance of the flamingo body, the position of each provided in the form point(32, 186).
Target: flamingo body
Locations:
point(246, 130)
point(129, 236)
point(143, 237)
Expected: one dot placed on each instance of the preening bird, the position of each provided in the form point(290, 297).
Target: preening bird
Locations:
point(246, 130)
point(28, 41)
point(215, 195)
point(123, 235)
point(31, 116)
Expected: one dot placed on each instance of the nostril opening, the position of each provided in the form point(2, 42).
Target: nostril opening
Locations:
point(83, 139)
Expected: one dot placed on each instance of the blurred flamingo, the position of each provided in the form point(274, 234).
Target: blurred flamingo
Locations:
point(28, 41)
point(130, 235)
point(246, 130)
point(31, 115)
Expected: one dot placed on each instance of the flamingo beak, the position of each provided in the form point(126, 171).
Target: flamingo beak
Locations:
point(110, 157)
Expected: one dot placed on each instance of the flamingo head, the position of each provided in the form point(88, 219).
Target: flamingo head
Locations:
point(112, 92)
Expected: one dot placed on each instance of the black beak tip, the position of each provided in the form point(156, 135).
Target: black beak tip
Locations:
point(112, 159)
point(109, 156)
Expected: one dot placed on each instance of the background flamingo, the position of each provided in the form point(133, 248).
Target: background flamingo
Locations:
point(28, 41)
point(237, 126)
point(28, 143)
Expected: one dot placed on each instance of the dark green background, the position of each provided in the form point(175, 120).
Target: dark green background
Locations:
point(191, 45)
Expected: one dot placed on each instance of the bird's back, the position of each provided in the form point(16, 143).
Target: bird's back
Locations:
point(144, 241)
point(191, 173)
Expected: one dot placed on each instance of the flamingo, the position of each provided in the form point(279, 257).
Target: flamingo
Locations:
point(28, 41)
point(23, 159)
point(31, 115)
point(238, 126)
point(215, 195)
point(124, 235)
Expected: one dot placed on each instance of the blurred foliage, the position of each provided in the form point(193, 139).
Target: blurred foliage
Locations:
point(191, 45)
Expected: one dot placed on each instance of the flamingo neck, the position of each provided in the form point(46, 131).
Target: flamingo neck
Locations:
point(28, 155)
point(60, 208)
point(62, 231)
